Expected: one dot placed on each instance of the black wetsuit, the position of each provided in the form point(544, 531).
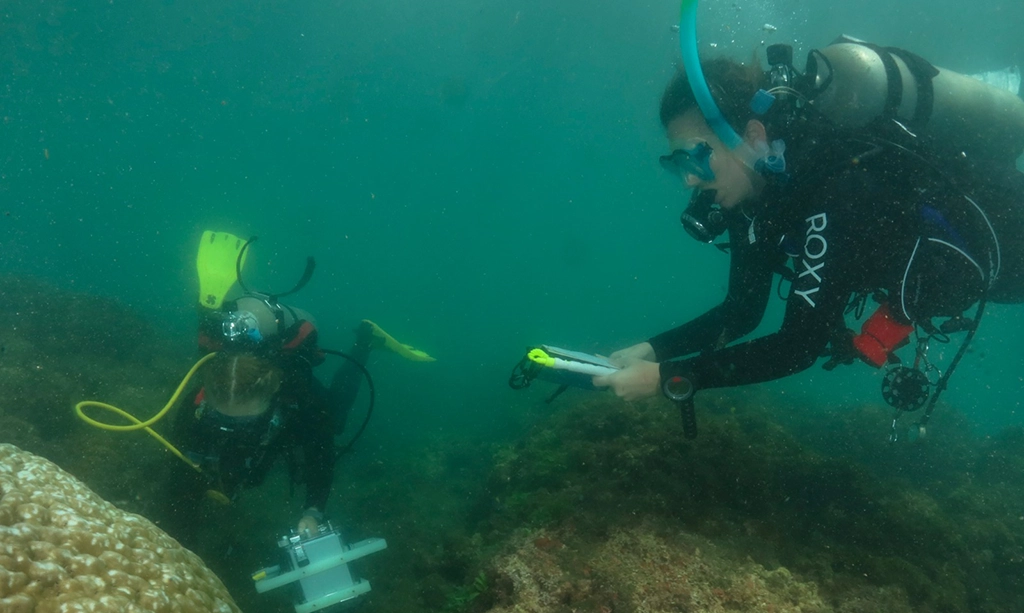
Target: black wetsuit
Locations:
point(299, 426)
point(234, 454)
point(850, 226)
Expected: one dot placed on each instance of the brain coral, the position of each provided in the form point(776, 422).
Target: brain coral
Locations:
point(63, 548)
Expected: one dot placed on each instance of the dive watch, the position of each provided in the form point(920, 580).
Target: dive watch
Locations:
point(678, 388)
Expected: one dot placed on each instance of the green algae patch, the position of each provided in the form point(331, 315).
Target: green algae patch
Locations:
point(945, 540)
point(645, 569)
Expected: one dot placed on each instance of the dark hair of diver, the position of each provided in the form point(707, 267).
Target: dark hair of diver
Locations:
point(732, 86)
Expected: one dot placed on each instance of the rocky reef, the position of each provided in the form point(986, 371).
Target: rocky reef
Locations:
point(585, 504)
point(649, 569)
point(58, 347)
point(860, 526)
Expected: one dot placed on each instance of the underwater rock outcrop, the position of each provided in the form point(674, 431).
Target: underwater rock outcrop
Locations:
point(63, 548)
point(647, 570)
point(58, 347)
point(939, 522)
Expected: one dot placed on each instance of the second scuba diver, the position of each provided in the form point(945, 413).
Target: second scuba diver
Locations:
point(858, 212)
point(259, 399)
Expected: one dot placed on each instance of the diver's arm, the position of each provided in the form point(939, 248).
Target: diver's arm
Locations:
point(318, 448)
point(347, 380)
point(817, 299)
point(183, 490)
point(795, 347)
point(183, 418)
point(750, 281)
point(319, 472)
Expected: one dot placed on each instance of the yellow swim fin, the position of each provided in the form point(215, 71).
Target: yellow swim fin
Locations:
point(216, 264)
point(406, 351)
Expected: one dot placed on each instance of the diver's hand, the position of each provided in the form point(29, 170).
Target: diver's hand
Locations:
point(641, 379)
point(308, 524)
point(625, 357)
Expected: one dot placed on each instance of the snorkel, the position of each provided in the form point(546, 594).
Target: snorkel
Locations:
point(758, 157)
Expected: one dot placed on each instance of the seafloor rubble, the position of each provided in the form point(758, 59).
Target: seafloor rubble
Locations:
point(65, 549)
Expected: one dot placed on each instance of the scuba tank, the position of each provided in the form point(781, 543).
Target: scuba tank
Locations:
point(256, 322)
point(855, 84)
point(885, 94)
point(272, 317)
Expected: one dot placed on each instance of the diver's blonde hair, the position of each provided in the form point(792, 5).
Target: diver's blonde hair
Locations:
point(239, 377)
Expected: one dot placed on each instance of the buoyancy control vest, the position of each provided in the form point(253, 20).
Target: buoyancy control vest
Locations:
point(968, 131)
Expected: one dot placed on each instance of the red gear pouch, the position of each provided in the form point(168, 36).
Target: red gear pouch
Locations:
point(880, 335)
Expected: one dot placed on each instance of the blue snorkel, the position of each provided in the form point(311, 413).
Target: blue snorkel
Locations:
point(759, 156)
point(695, 75)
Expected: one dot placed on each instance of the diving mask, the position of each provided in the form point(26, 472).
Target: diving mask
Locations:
point(241, 326)
point(695, 160)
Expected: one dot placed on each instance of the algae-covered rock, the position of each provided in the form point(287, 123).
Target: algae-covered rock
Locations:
point(640, 570)
point(59, 347)
point(63, 548)
point(951, 541)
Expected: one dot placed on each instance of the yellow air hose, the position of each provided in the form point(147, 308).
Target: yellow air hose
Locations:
point(144, 425)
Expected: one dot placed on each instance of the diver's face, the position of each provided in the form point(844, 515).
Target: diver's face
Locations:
point(732, 181)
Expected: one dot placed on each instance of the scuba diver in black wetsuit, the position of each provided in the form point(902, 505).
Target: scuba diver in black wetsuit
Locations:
point(258, 403)
point(259, 399)
point(858, 212)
